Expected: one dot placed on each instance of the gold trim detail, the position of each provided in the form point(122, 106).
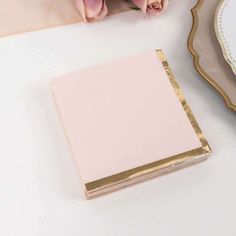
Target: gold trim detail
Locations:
point(196, 58)
point(120, 180)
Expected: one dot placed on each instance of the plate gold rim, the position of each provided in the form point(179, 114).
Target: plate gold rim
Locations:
point(196, 58)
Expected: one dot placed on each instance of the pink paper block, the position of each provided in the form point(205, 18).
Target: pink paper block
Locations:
point(120, 116)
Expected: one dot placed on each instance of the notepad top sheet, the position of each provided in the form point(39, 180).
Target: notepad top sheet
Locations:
point(122, 115)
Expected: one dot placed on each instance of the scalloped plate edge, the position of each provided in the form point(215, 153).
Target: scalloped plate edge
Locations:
point(196, 58)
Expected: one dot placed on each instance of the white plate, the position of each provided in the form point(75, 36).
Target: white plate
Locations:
point(225, 20)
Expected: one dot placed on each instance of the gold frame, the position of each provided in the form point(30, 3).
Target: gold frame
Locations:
point(123, 179)
point(196, 58)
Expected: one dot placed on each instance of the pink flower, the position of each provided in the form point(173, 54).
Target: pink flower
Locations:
point(153, 7)
point(92, 9)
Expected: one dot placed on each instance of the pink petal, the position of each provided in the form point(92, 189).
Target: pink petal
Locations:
point(80, 5)
point(142, 4)
point(151, 9)
point(103, 12)
point(92, 9)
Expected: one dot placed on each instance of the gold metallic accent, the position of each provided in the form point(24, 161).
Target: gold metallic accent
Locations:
point(196, 58)
point(123, 179)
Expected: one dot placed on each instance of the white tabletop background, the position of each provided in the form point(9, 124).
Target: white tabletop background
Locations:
point(40, 189)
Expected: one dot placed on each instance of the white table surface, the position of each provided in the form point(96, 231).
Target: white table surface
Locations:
point(40, 190)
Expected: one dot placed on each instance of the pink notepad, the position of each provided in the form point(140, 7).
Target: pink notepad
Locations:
point(127, 121)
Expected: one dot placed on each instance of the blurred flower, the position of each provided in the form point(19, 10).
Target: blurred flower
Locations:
point(153, 7)
point(92, 9)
